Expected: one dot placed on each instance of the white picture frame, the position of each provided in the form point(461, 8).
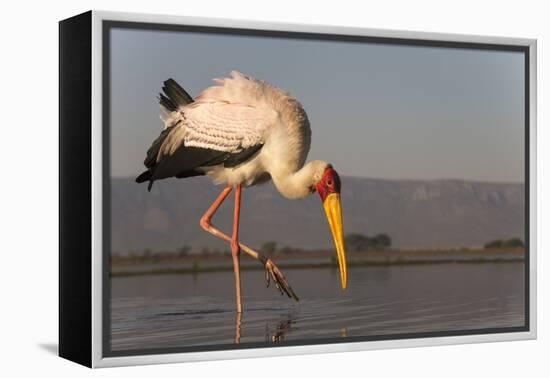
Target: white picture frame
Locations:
point(90, 331)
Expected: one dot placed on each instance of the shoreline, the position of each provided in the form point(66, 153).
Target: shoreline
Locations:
point(124, 267)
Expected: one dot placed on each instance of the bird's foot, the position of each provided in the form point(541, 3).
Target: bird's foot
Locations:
point(272, 272)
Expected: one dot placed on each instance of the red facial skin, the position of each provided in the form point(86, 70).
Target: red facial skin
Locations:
point(330, 183)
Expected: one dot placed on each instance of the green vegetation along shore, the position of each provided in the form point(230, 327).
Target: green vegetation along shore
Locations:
point(126, 266)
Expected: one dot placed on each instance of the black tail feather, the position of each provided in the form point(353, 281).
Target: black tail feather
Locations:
point(174, 96)
point(167, 103)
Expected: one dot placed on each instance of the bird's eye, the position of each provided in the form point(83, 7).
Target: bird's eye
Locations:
point(329, 182)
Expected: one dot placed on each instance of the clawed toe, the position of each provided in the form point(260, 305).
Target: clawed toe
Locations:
point(273, 273)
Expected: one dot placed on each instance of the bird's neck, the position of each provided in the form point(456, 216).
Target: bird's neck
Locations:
point(294, 184)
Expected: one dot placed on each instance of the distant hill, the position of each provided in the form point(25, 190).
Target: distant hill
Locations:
point(416, 214)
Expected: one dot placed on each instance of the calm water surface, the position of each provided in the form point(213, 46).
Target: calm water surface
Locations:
point(180, 310)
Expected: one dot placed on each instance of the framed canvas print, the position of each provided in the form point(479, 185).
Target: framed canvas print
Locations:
point(232, 189)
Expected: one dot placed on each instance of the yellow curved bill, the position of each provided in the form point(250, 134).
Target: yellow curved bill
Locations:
point(333, 210)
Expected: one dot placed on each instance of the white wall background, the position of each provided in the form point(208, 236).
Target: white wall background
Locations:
point(28, 207)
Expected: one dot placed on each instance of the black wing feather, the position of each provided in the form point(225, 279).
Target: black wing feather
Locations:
point(145, 176)
point(153, 151)
point(187, 161)
point(192, 173)
point(240, 157)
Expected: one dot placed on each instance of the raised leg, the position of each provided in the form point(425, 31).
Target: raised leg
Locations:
point(272, 272)
point(206, 220)
point(236, 249)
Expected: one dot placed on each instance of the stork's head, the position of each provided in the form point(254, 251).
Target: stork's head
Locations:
point(328, 186)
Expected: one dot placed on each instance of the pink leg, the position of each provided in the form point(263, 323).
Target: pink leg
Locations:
point(235, 249)
point(271, 269)
point(206, 220)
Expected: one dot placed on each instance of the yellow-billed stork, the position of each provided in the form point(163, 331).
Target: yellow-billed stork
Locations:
point(242, 132)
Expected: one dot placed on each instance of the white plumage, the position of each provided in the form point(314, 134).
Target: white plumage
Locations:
point(225, 126)
point(238, 113)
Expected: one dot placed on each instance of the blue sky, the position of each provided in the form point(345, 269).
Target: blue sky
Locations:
point(385, 111)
